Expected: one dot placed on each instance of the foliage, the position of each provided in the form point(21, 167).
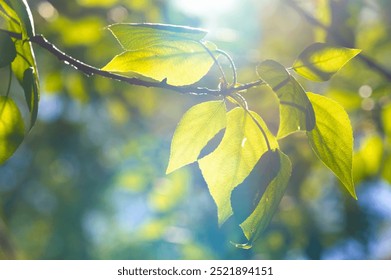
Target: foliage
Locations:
point(230, 142)
point(176, 55)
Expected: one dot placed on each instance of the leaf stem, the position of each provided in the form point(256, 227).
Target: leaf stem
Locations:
point(231, 62)
point(216, 61)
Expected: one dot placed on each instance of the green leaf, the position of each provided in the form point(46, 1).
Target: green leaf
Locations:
point(7, 50)
point(25, 70)
point(296, 112)
point(24, 65)
point(180, 62)
point(332, 139)
point(9, 15)
point(232, 161)
point(279, 164)
point(22, 9)
point(161, 52)
point(133, 36)
point(320, 61)
point(30, 87)
point(24, 60)
point(199, 125)
point(11, 128)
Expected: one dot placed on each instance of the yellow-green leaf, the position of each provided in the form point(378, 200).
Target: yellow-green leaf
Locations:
point(133, 36)
point(256, 223)
point(24, 66)
point(180, 62)
point(332, 139)
point(22, 9)
point(7, 50)
point(320, 61)
point(296, 112)
point(199, 125)
point(9, 14)
point(232, 161)
point(11, 128)
point(161, 51)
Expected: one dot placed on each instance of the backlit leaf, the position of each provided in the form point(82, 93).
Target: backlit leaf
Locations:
point(160, 51)
point(240, 149)
point(22, 9)
point(296, 112)
point(320, 61)
point(7, 50)
point(180, 62)
point(24, 66)
point(9, 15)
point(256, 223)
point(133, 36)
point(11, 128)
point(199, 125)
point(332, 139)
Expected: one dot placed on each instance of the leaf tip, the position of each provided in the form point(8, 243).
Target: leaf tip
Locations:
point(352, 191)
point(245, 246)
point(170, 169)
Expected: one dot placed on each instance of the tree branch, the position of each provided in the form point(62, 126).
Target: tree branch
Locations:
point(89, 70)
point(371, 63)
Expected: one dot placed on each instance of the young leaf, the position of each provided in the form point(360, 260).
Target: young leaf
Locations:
point(22, 9)
point(332, 139)
point(11, 128)
point(181, 62)
point(199, 125)
point(134, 36)
point(296, 112)
point(7, 50)
point(31, 92)
point(232, 161)
point(320, 61)
point(256, 223)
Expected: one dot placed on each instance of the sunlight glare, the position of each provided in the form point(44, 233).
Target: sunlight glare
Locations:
point(206, 8)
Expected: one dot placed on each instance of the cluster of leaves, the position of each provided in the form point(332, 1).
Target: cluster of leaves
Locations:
point(18, 56)
point(178, 56)
point(247, 138)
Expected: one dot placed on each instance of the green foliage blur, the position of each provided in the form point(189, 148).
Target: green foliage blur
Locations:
point(89, 180)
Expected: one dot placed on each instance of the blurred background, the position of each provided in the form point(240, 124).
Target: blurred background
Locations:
point(89, 180)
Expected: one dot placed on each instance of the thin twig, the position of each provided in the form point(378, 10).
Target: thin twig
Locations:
point(91, 70)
